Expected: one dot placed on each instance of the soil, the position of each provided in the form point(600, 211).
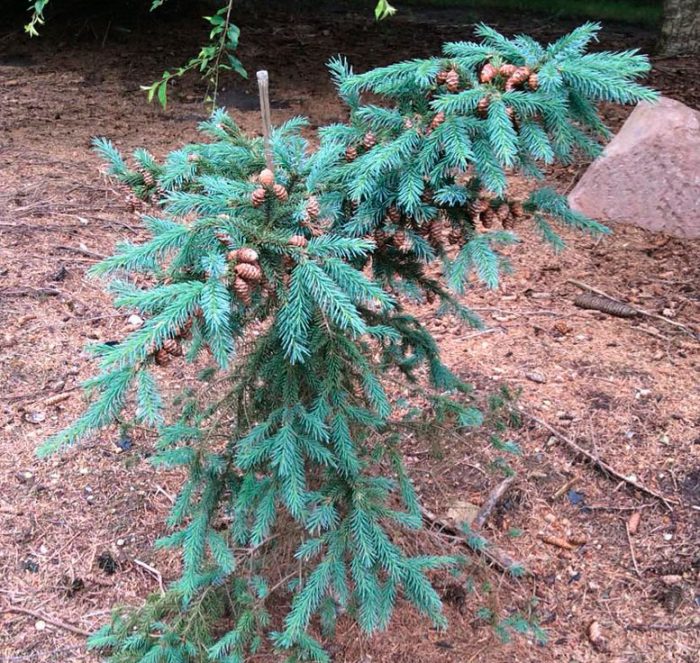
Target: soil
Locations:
point(76, 530)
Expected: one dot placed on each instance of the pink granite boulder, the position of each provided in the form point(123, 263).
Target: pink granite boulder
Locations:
point(649, 174)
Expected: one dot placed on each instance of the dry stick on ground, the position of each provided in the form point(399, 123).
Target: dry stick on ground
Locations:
point(634, 558)
point(83, 252)
point(45, 618)
point(492, 553)
point(661, 627)
point(601, 465)
point(685, 328)
point(494, 497)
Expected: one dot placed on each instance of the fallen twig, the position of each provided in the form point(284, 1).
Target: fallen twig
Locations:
point(634, 558)
point(601, 465)
point(83, 251)
point(27, 291)
point(46, 618)
point(661, 627)
point(492, 553)
point(153, 571)
point(679, 325)
point(494, 497)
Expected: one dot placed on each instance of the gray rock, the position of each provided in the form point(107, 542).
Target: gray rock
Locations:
point(649, 174)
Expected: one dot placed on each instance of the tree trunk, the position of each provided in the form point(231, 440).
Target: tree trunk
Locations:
point(680, 32)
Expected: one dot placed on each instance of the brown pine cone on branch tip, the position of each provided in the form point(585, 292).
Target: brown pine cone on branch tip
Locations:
point(429, 296)
point(503, 211)
point(148, 178)
point(248, 272)
point(483, 106)
point(437, 120)
point(297, 240)
point(162, 357)
point(533, 81)
point(393, 214)
point(351, 153)
point(488, 73)
point(313, 207)
point(488, 218)
point(507, 70)
point(280, 192)
point(257, 198)
point(222, 236)
point(247, 255)
point(516, 208)
point(266, 177)
point(508, 223)
point(242, 290)
point(452, 80)
point(441, 77)
point(172, 346)
point(369, 141)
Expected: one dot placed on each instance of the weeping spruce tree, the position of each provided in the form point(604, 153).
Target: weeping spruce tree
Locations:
point(280, 273)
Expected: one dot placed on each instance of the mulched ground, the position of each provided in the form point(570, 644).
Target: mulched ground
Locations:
point(76, 531)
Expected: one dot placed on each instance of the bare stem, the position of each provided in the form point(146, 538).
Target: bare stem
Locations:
point(264, 86)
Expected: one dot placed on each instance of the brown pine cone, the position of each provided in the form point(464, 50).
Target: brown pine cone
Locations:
point(533, 81)
point(508, 223)
point(402, 242)
point(488, 218)
point(430, 296)
point(380, 238)
point(507, 70)
point(488, 73)
point(393, 214)
point(297, 240)
point(452, 80)
point(516, 208)
point(223, 237)
point(162, 357)
point(173, 347)
point(437, 120)
point(503, 211)
point(478, 206)
point(437, 232)
point(370, 140)
point(242, 290)
point(247, 255)
point(427, 196)
point(248, 272)
point(441, 78)
point(520, 75)
point(280, 192)
point(455, 236)
point(351, 153)
point(148, 178)
point(483, 106)
point(266, 177)
point(258, 197)
point(312, 207)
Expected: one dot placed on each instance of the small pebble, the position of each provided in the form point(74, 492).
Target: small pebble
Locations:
point(668, 536)
point(40, 625)
point(120, 542)
point(135, 321)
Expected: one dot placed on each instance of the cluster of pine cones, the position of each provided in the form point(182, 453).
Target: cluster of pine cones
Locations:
point(488, 212)
point(266, 179)
point(172, 347)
